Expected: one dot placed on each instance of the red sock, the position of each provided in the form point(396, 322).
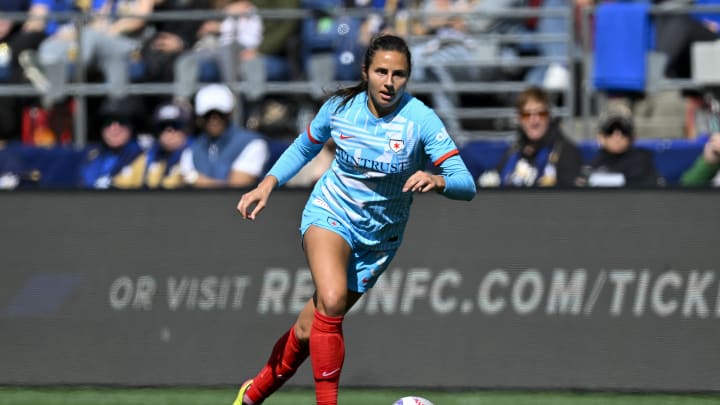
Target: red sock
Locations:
point(286, 357)
point(327, 353)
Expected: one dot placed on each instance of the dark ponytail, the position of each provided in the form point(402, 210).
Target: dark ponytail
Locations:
point(380, 42)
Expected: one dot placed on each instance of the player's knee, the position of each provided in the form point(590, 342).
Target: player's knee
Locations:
point(302, 330)
point(332, 303)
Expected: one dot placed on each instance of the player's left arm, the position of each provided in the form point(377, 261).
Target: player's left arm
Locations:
point(454, 180)
point(459, 183)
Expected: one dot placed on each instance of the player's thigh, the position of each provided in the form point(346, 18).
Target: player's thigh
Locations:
point(328, 256)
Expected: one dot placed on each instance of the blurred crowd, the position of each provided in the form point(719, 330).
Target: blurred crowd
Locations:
point(193, 137)
point(185, 42)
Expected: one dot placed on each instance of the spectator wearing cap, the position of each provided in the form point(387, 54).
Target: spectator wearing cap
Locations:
point(115, 163)
point(161, 162)
point(619, 162)
point(223, 155)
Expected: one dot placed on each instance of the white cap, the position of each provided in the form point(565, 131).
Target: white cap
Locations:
point(214, 97)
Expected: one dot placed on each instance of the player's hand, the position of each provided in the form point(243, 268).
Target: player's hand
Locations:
point(255, 200)
point(711, 151)
point(422, 182)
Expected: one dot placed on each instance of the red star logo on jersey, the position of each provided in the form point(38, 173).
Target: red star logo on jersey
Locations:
point(396, 145)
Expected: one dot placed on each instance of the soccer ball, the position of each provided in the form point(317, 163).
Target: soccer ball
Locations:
point(412, 401)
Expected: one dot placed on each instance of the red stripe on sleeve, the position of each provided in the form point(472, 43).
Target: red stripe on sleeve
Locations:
point(445, 157)
point(313, 140)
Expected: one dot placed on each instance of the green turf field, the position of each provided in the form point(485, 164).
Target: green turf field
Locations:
point(177, 396)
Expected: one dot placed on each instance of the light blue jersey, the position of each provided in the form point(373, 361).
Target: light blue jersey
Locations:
point(362, 192)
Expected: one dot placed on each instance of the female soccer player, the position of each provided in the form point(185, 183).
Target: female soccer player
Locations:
point(353, 222)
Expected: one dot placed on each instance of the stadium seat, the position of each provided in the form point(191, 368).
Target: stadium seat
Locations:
point(330, 43)
point(623, 37)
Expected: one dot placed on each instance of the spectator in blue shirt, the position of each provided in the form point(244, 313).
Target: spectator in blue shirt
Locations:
point(115, 163)
point(223, 155)
point(161, 162)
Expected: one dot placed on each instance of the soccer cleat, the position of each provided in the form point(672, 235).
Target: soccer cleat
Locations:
point(241, 393)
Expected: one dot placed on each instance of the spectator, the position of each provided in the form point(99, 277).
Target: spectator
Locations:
point(543, 155)
point(335, 37)
point(15, 37)
point(116, 30)
point(447, 41)
point(171, 38)
point(675, 36)
point(279, 41)
point(619, 163)
point(223, 155)
point(677, 32)
point(468, 36)
point(114, 163)
point(7, 25)
point(11, 168)
point(706, 169)
point(173, 126)
point(232, 44)
point(45, 18)
point(556, 75)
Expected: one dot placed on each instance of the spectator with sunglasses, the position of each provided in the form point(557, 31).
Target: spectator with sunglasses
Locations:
point(619, 162)
point(115, 163)
point(542, 156)
point(223, 155)
point(161, 162)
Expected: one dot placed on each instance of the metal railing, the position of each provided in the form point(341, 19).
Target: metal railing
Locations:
point(80, 89)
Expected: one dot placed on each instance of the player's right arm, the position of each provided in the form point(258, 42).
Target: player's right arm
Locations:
point(289, 163)
point(305, 147)
point(255, 200)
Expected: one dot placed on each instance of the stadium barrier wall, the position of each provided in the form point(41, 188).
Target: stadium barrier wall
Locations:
point(40, 167)
point(595, 289)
